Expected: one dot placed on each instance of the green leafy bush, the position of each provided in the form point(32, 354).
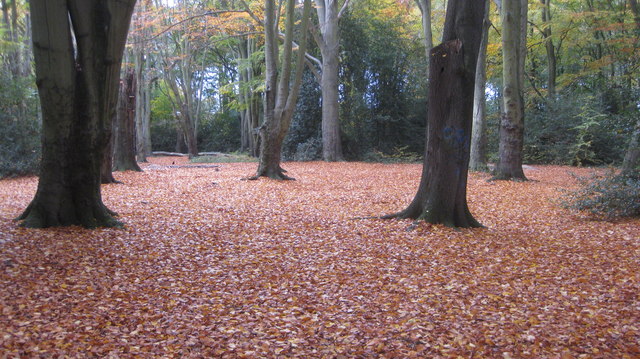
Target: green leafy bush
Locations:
point(398, 155)
point(578, 130)
point(310, 150)
point(611, 195)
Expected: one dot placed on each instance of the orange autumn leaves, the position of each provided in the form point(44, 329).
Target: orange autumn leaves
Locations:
point(212, 266)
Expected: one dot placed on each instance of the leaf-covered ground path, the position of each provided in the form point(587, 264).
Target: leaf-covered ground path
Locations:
point(212, 266)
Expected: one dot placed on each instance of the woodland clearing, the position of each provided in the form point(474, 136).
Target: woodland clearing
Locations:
point(208, 265)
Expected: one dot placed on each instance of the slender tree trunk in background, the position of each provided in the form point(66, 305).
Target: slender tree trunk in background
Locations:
point(78, 87)
point(512, 123)
point(425, 11)
point(185, 119)
point(189, 131)
point(10, 25)
point(442, 195)
point(181, 146)
point(550, 48)
point(124, 144)
point(331, 141)
point(250, 115)
point(632, 156)
point(478, 158)
point(143, 107)
point(143, 81)
point(329, 44)
point(280, 95)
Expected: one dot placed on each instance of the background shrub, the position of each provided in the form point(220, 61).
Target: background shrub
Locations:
point(611, 195)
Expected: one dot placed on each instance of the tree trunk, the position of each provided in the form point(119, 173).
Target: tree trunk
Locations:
point(143, 106)
point(425, 11)
point(125, 152)
point(250, 114)
point(280, 95)
point(632, 156)
point(441, 197)
point(106, 167)
point(329, 44)
point(512, 122)
point(551, 52)
point(478, 158)
point(78, 87)
point(331, 142)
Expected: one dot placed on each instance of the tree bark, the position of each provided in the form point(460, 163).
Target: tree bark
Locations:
point(512, 123)
point(425, 11)
point(441, 196)
point(106, 167)
point(249, 115)
point(143, 104)
point(478, 158)
point(280, 95)
point(550, 48)
point(632, 156)
point(329, 44)
point(78, 87)
point(125, 151)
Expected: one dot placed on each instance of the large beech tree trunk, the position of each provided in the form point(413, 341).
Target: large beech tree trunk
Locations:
point(331, 142)
point(280, 95)
point(125, 136)
point(510, 150)
point(442, 195)
point(329, 44)
point(78, 86)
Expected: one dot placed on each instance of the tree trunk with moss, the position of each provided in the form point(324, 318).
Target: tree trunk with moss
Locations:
point(78, 86)
point(442, 195)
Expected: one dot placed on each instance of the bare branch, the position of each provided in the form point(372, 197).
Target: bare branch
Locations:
point(251, 13)
point(343, 8)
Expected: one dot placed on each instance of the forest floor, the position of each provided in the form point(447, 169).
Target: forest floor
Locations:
point(209, 265)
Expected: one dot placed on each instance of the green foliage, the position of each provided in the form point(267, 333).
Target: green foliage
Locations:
point(163, 135)
point(576, 130)
point(383, 72)
point(303, 141)
point(611, 195)
point(20, 148)
point(220, 132)
point(398, 155)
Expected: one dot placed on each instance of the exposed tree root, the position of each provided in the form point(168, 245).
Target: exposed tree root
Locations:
point(40, 216)
point(277, 174)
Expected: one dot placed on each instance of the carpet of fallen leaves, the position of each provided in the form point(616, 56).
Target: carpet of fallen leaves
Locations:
point(212, 266)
